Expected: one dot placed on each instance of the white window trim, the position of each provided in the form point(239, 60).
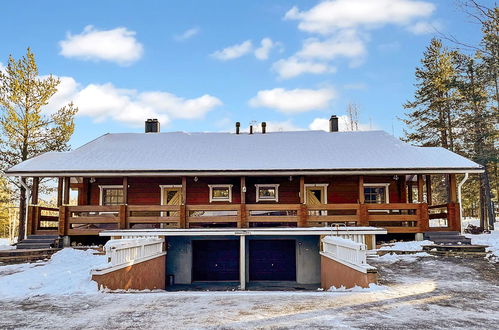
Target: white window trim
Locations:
point(102, 187)
point(228, 199)
point(323, 185)
point(387, 189)
point(162, 188)
point(274, 199)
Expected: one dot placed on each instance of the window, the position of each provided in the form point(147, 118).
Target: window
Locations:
point(220, 193)
point(111, 195)
point(376, 193)
point(267, 192)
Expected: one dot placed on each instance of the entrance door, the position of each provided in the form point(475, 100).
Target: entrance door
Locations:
point(272, 260)
point(316, 195)
point(171, 196)
point(215, 260)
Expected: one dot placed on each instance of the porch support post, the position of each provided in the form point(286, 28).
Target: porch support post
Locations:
point(83, 192)
point(428, 190)
point(34, 190)
point(361, 189)
point(402, 189)
point(410, 196)
point(65, 200)
point(242, 209)
point(183, 211)
point(125, 190)
point(242, 261)
point(302, 190)
point(452, 188)
point(60, 184)
point(420, 188)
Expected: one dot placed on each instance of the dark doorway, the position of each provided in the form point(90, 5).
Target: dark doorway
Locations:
point(272, 260)
point(215, 260)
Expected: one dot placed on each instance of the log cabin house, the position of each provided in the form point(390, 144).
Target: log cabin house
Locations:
point(188, 187)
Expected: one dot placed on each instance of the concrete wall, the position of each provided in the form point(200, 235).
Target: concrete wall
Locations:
point(179, 259)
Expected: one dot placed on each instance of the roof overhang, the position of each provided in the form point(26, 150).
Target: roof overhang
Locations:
point(309, 231)
point(388, 171)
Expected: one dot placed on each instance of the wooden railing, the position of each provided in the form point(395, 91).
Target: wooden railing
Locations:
point(42, 219)
point(444, 217)
point(395, 217)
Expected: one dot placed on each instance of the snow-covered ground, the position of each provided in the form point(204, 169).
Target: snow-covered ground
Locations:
point(5, 244)
point(414, 292)
point(492, 240)
point(406, 246)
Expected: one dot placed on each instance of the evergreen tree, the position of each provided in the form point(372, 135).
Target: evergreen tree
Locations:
point(432, 116)
point(26, 131)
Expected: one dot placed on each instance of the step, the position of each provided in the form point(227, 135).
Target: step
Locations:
point(438, 233)
point(34, 245)
point(43, 236)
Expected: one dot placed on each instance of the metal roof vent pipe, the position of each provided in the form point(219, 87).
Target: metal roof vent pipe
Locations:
point(264, 127)
point(251, 129)
point(152, 126)
point(333, 124)
point(238, 126)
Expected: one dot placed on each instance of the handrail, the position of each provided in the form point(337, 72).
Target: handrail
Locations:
point(345, 250)
point(126, 251)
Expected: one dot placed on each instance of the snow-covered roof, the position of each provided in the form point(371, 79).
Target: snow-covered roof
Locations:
point(298, 151)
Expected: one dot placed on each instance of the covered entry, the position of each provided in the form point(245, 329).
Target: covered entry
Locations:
point(272, 260)
point(215, 260)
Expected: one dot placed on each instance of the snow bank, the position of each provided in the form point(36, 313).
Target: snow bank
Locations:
point(393, 257)
point(372, 287)
point(406, 246)
point(67, 273)
point(5, 244)
point(492, 240)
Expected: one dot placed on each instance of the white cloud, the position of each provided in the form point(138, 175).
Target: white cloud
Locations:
point(105, 101)
point(330, 16)
point(233, 52)
point(293, 66)
point(117, 45)
point(293, 101)
point(187, 34)
point(425, 27)
point(346, 43)
point(262, 53)
point(323, 124)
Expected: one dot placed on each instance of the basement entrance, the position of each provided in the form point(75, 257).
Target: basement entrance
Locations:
point(215, 260)
point(272, 260)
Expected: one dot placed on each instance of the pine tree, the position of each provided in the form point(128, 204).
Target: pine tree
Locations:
point(431, 117)
point(26, 131)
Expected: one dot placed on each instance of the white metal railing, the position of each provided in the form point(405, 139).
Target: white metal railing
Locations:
point(345, 250)
point(124, 251)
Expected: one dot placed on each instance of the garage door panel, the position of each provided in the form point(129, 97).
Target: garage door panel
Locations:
point(215, 260)
point(272, 260)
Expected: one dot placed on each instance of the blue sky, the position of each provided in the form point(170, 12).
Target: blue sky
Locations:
point(203, 65)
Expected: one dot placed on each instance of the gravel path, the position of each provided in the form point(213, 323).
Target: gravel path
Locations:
point(421, 293)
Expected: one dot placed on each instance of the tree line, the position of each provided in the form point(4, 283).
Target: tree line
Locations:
point(456, 104)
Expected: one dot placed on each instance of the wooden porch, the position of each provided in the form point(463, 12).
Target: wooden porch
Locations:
point(91, 219)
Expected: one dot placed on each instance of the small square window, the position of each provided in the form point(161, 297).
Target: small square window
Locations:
point(376, 194)
point(267, 192)
point(111, 195)
point(220, 193)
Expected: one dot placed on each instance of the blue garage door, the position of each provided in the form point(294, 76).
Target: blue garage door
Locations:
point(272, 260)
point(215, 260)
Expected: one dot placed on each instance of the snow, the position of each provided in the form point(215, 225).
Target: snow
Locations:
point(491, 240)
point(181, 151)
point(393, 257)
point(406, 246)
point(372, 287)
point(5, 244)
point(67, 273)
point(440, 292)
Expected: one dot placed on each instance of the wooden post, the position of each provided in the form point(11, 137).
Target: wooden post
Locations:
point(183, 211)
point(182, 217)
point(34, 191)
point(83, 192)
point(303, 216)
point(302, 190)
point(30, 225)
point(59, 191)
point(123, 217)
point(184, 190)
point(402, 184)
point(242, 210)
point(424, 219)
point(452, 188)
point(125, 190)
point(428, 190)
point(363, 214)
point(361, 189)
point(63, 221)
point(65, 200)
point(420, 189)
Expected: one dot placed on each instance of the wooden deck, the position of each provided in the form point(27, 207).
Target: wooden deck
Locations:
point(92, 219)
